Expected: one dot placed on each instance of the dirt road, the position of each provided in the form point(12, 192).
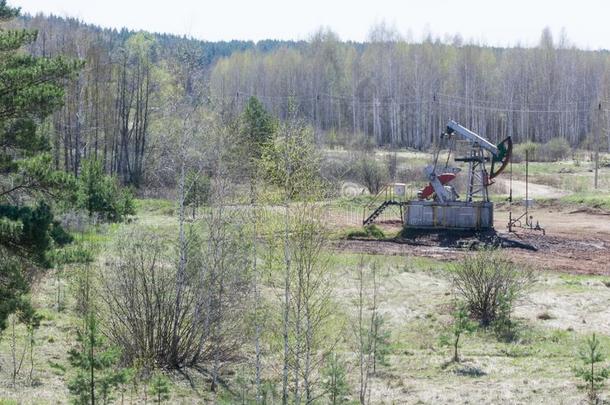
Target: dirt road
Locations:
point(534, 190)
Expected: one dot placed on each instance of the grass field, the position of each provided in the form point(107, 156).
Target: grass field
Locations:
point(415, 296)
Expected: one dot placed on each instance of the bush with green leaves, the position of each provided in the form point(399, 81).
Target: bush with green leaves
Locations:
point(369, 231)
point(592, 372)
point(504, 327)
point(101, 194)
point(520, 150)
point(489, 284)
point(379, 342)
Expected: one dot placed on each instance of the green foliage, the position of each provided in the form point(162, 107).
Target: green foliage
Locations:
point(102, 194)
point(379, 342)
point(519, 151)
point(592, 199)
point(13, 290)
point(73, 254)
point(257, 127)
point(30, 232)
point(552, 151)
point(198, 190)
point(59, 235)
point(369, 231)
point(31, 88)
point(461, 324)
point(555, 149)
point(291, 162)
point(159, 388)
point(96, 372)
point(592, 373)
point(489, 283)
point(504, 327)
point(334, 380)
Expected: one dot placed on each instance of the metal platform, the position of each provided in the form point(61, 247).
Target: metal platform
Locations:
point(458, 215)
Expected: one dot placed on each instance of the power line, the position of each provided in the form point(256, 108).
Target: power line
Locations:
point(522, 111)
point(441, 98)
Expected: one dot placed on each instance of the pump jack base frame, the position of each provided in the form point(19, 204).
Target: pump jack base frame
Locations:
point(452, 215)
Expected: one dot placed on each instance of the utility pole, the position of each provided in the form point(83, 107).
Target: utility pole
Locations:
point(598, 129)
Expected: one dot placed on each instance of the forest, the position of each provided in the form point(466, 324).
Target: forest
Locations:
point(387, 92)
point(181, 221)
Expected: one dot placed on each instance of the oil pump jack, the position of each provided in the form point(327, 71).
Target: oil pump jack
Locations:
point(438, 205)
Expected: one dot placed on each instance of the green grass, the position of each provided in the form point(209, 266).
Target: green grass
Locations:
point(155, 206)
point(589, 199)
point(356, 202)
point(368, 232)
point(414, 298)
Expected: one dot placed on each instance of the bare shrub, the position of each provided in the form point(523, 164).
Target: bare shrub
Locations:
point(371, 173)
point(143, 316)
point(519, 151)
point(554, 150)
point(490, 284)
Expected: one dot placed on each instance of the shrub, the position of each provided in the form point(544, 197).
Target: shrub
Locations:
point(554, 150)
point(489, 284)
point(520, 149)
point(371, 173)
point(461, 324)
point(96, 372)
point(187, 315)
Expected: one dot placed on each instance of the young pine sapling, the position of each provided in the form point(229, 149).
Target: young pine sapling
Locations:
point(592, 372)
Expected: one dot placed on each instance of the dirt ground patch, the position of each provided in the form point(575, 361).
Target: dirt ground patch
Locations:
point(576, 241)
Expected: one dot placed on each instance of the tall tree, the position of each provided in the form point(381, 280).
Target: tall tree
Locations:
point(31, 88)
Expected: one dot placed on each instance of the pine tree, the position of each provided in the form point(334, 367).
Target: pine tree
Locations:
point(31, 88)
point(97, 374)
point(198, 190)
point(101, 194)
point(335, 379)
point(257, 126)
point(592, 373)
point(159, 388)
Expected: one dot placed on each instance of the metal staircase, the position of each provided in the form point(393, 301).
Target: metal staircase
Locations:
point(389, 196)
